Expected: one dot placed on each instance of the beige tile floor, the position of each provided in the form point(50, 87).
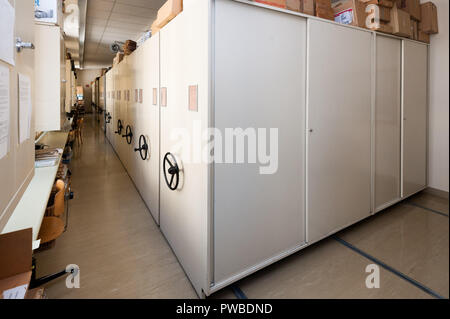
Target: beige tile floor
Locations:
point(122, 254)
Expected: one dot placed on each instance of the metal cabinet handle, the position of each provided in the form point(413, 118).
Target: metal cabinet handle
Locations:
point(23, 45)
point(128, 135)
point(143, 147)
point(170, 167)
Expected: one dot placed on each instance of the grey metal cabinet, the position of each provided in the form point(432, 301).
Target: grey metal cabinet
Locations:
point(260, 83)
point(339, 123)
point(414, 159)
point(387, 113)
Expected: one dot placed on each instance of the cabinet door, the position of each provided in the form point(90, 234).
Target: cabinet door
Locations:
point(259, 215)
point(387, 121)
point(183, 212)
point(415, 74)
point(339, 123)
point(149, 119)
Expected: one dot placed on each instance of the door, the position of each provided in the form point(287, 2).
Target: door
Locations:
point(387, 121)
point(184, 66)
point(149, 125)
point(17, 166)
point(415, 74)
point(259, 208)
point(339, 125)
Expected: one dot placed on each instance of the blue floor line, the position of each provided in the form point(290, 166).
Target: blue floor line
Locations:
point(238, 292)
point(389, 268)
point(426, 208)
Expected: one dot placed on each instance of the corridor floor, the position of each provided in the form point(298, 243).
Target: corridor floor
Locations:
point(121, 253)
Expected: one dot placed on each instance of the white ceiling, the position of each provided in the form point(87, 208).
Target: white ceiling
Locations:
point(115, 20)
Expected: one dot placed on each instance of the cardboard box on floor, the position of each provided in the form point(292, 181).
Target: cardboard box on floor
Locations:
point(429, 21)
point(15, 262)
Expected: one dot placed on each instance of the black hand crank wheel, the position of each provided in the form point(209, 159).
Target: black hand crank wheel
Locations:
point(172, 171)
point(143, 147)
point(119, 127)
point(128, 135)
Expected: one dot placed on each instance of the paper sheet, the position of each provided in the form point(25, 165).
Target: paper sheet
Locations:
point(7, 20)
point(4, 110)
point(15, 293)
point(24, 107)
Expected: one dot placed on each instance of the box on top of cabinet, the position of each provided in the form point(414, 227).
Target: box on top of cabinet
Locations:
point(412, 7)
point(429, 21)
point(48, 12)
point(350, 12)
point(275, 3)
point(381, 3)
point(400, 22)
point(294, 5)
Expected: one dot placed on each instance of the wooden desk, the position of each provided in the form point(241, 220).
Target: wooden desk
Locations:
point(31, 209)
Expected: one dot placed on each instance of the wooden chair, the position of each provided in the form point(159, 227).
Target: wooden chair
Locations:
point(53, 226)
point(57, 203)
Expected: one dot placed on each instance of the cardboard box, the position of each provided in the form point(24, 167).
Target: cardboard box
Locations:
point(414, 30)
point(382, 3)
point(294, 5)
point(350, 12)
point(429, 20)
point(400, 22)
point(309, 7)
point(15, 261)
point(324, 10)
point(384, 12)
point(275, 3)
point(423, 37)
point(413, 8)
point(382, 27)
point(167, 12)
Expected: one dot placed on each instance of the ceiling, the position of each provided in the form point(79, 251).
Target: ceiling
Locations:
point(115, 20)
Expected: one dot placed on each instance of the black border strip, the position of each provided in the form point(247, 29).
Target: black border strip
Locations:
point(389, 268)
point(426, 208)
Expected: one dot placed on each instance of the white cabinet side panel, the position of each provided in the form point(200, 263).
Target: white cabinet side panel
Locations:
point(260, 73)
point(339, 115)
point(184, 62)
point(414, 117)
point(387, 121)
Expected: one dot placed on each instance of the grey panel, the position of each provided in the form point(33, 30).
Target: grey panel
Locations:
point(260, 72)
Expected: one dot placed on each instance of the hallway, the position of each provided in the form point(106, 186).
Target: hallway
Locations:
point(111, 235)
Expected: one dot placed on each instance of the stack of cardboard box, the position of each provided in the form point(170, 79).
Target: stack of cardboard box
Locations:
point(318, 8)
point(404, 18)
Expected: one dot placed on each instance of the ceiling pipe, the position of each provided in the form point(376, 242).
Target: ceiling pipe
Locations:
point(82, 4)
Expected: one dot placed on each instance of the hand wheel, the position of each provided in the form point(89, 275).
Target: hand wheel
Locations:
point(170, 167)
point(128, 135)
point(119, 127)
point(143, 147)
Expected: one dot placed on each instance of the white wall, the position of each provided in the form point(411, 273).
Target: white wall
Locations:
point(438, 160)
point(86, 76)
